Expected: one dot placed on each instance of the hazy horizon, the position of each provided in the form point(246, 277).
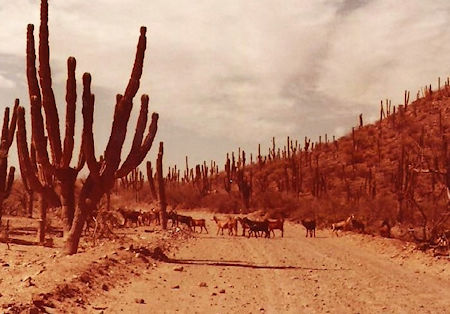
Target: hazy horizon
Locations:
point(224, 75)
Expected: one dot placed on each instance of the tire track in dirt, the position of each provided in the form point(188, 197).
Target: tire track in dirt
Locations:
point(379, 281)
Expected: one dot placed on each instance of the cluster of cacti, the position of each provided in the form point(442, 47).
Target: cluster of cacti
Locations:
point(186, 172)
point(294, 160)
point(387, 109)
point(228, 178)
point(245, 184)
point(7, 137)
point(173, 175)
point(133, 181)
point(193, 174)
point(201, 180)
point(52, 177)
point(406, 101)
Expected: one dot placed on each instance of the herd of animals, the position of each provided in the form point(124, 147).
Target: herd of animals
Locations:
point(256, 228)
point(264, 228)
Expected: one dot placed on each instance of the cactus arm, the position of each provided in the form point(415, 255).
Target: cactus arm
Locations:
point(81, 160)
point(38, 137)
point(71, 98)
point(4, 151)
point(140, 149)
point(48, 97)
point(5, 135)
point(24, 157)
point(148, 141)
point(122, 113)
point(137, 158)
point(33, 84)
point(13, 123)
point(88, 149)
point(25, 180)
point(136, 73)
point(10, 181)
point(127, 165)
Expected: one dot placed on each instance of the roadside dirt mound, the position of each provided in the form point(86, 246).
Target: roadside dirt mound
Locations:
point(33, 281)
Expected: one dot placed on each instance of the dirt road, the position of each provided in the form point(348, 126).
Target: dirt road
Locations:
point(294, 274)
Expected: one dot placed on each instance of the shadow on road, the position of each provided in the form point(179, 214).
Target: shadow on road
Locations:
point(205, 262)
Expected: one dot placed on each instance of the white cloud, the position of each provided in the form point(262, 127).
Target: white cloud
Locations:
point(6, 83)
point(340, 131)
point(384, 48)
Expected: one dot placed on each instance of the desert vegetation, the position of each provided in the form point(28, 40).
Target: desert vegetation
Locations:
point(393, 171)
point(390, 178)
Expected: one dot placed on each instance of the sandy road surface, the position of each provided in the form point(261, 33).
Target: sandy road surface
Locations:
point(294, 274)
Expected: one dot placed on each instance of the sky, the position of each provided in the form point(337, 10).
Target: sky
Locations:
point(229, 74)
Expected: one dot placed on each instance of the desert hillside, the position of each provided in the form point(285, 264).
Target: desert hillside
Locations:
point(394, 169)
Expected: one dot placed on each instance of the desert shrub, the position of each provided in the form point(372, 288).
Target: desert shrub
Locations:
point(268, 199)
point(372, 131)
point(358, 157)
point(362, 171)
point(223, 203)
point(16, 203)
point(185, 195)
point(364, 140)
point(414, 129)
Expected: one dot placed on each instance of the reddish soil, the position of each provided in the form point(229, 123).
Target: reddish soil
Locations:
point(36, 277)
point(226, 274)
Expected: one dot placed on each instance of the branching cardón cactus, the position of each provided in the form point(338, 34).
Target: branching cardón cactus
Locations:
point(7, 137)
point(102, 173)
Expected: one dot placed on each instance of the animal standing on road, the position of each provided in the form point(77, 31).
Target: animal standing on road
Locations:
point(277, 224)
point(256, 226)
point(221, 224)
point(177, 219)
point(232, 225)
point(199, 223)
point(310, 225)
point(342, 225)
point(243, 225)
point(130, 215)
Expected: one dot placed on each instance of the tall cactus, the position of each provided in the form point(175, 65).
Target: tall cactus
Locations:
point(102, 173)
point(7, 137)
point(151, 181)
point(227, 180)
point(161, 186)
point(245, 187)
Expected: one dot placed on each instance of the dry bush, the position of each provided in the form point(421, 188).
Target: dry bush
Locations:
point(224, 203)
point(187, 196)
point(16, 203)
point(365, 141)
